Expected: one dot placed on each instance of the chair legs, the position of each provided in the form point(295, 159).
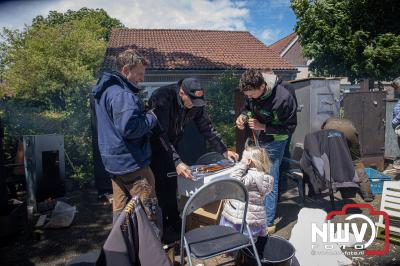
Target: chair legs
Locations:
point(188, 254)
point(185, 247)
point(182, 251)
point(300, 183)
point(332, 198)
point(253, 245)
point(301, 186)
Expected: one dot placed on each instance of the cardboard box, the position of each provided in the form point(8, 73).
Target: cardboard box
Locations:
point(208, 215)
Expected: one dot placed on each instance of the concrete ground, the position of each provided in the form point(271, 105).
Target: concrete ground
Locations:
point(93, 223)
point(88, 232)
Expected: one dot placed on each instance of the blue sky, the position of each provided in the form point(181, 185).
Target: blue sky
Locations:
point(268, 20)
point(271, 20)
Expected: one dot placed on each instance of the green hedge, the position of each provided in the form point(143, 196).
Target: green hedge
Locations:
point(24, 117)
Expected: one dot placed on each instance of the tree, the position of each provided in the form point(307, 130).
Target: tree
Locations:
point(96, 20)
point(357, 39)
point(9, 39)
point(47, 71)
point(220, 103)
point(55, 55)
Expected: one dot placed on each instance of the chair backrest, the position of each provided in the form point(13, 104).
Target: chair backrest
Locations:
point(390, 204)
point(226, 188)
point(210, 157)
point(325, 162)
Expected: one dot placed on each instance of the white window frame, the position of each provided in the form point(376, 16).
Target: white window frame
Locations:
point(150, 87)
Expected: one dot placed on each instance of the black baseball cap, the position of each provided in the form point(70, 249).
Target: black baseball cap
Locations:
point(192, 87)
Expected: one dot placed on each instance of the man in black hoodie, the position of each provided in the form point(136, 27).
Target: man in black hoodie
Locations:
point(175, 105)
point(124, 129)
point(270, 112)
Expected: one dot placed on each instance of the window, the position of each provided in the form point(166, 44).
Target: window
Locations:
point(149, 87)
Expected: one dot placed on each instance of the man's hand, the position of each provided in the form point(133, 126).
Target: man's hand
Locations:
point(183, 170)
point(240, 121)
point(397, 130)
point(255, 124)
point(151, 112)
point(230, 155)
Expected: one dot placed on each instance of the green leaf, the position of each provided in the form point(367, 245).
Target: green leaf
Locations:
point(357, 39)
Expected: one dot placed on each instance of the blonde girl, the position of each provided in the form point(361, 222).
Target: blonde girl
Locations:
point(253, 171)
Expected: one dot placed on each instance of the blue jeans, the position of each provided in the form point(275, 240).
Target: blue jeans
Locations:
point(275, 150)
point(284, 166)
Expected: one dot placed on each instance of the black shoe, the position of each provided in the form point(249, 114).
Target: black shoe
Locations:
point(368, 197)
point(365, 191)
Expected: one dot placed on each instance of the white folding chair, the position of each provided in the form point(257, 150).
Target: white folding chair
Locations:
point(213, 240)
point(390, 203)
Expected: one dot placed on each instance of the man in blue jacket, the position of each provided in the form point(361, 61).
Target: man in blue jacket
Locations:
point(124, 130)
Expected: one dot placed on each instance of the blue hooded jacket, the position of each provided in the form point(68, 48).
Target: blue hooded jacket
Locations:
point(123, 124)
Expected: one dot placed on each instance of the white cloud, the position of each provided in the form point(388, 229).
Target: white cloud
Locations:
point(270, 35)
point(271, 9)
point(195, 14)
point(276, 3)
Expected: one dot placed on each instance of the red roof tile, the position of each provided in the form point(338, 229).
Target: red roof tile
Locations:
point(280, 45)
point(195, 49)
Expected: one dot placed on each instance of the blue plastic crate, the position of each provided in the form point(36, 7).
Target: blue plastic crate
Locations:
point(376, 179)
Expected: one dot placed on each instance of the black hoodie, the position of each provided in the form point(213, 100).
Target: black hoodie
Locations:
point(277, 110)
point(173, 116)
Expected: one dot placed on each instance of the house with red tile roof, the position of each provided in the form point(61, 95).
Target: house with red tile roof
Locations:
point(176, 54)
point(289, 48)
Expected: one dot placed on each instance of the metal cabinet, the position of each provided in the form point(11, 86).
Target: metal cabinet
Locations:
point(367, 112)
point(318, 99)
point(44, 167)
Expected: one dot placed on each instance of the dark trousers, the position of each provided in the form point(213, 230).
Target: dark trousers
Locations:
point(161, 164)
